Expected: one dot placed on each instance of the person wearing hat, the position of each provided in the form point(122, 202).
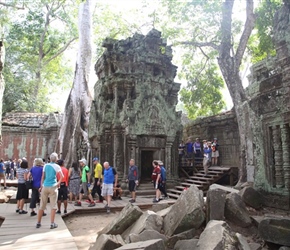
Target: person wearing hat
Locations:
point(215, 153)
point(85, 180)
point(98, 180)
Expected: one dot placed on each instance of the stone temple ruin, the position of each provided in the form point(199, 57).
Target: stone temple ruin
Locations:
point(133, 114)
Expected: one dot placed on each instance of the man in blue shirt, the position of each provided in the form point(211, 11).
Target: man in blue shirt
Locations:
point(49, 188)
point(2, 173)
point(110, 177)
point(189, 152)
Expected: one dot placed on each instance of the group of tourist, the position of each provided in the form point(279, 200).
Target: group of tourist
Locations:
point(206, 152)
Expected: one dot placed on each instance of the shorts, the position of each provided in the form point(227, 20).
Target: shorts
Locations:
point(22, 192)
point(132, 186)
point(215, 154)
point(84, 188)
point(107, 189)
point(159, 185)
point(189, 155)
point(2, 175)
point(52, 193)
point(62, 193)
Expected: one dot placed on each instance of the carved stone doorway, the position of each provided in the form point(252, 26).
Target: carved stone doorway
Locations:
point(147, 156)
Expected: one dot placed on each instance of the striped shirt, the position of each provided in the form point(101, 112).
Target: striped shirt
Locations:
point(20, 174)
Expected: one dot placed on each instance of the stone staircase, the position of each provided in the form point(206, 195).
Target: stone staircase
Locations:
point(200, 180)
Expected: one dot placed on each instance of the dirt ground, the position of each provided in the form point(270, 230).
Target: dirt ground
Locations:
point(85, 228)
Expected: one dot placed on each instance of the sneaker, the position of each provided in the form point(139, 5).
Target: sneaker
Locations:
point(108, 210)
point(5, 187)
point(119, 198)
point(38, 225)
point(132, 200)
point(17, 210)
point(44, 214)
point(58, 212)
point(78, 204)
point(99, 201)
point(22, 212)
point(92, 204)
point(53, 225)
point(65, 211)
point(33, 213)
point(88, 201)
point(155, 201)
point(166, 198)
point(106, 206)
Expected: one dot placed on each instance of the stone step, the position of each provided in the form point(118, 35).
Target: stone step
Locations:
point(201, 182)
point(187, 184)
point(180, 187)
point(208, 178)
point(174, 191)
point(171, 195)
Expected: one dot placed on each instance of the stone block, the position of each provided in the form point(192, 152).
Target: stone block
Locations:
point(108, 242)
point(215, 209)
point(255, 246)
point(159, 207)
point(144, 245)
point(243, 244)
point(251, 197)
point(217, 235)
point(189, 234)
point(146, 235)
point(275, 230)
point(149, 220)
point(186, 244)
point(227, 189)
point(236, 211)
point(164, 212)
point(186, 213)
point(3, 198)
point(128, 216)
point(284, 248)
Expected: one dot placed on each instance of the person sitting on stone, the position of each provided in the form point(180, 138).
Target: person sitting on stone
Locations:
point(118, 191)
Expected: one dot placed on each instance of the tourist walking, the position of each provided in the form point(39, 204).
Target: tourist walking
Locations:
point(163, 180)
point(35, 174)
point(85, 184)
point(74, 176)
point(2, 173)
point(98, 180)
point(49, 189)
point(110, 177)
point(22, 191)
point(189, 152)
point(156, 178)
point(197, 149)
point(215, 152)
point(62, 191)
point(132, 179)
point(207, 158)
point(7, 169)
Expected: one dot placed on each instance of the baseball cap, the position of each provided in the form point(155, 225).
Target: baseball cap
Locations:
point(95, 159)
point(84, 161)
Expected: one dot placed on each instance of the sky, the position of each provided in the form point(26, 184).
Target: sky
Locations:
point(125, 7)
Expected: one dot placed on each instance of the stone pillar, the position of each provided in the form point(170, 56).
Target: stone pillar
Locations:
point(286, 154)
point(118, 151)
point(116, 101)
point(278, 157)
point(168, 160)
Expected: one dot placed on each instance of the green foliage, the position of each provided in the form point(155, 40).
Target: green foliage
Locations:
point(261, 42)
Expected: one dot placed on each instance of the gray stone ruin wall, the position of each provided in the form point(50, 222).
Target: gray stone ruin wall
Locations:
point(133, 114)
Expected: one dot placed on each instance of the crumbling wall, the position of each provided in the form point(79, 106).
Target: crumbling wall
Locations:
point(29, 135)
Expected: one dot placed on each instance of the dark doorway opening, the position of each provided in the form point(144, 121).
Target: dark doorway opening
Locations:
point(146, 164)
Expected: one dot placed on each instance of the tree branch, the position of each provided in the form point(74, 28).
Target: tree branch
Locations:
point(249, 26)
point(59, 51)
point(197, 44)
point(11, 5)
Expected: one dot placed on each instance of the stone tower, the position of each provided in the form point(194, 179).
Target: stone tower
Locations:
point(133, 114)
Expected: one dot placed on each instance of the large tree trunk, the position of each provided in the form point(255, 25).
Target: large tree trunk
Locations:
point(73, 137)
point(2, 83)
point(229, 63)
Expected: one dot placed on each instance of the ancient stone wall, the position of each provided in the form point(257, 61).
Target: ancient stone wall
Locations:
point(224, 127)
point(29, 135)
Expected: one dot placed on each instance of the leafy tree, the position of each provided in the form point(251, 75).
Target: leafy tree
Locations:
point(35, 42)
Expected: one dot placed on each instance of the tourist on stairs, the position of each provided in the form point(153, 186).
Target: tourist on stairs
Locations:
point(156, 178)
point(49, 189)
point(132, 179)
point(207, 158)
point(22, 191)
point(110, 176)
point(215, 152)
point(98, 180)
point(62, 191)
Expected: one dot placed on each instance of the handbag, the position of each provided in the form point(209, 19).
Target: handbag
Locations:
point(28, 184)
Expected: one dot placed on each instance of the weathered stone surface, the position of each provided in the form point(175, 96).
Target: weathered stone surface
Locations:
point(146, 235)
point(126, 218)
point(189, 234)
point(108, 242)
point(164, 212)
point(144, 245)
point(257, 219)
point(251, 197)
point(243, 244)
point(186, 244)
point(220, 187)
point(215, 209)
point(149, 220)
point(186, 213)
point(159, 207)
point(236, 211)
point(275, 230)
point(217, 236)
point(284, 248)
point(3, 198)
point(255, 246)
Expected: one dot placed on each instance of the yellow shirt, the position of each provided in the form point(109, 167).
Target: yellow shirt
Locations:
point(98, 168)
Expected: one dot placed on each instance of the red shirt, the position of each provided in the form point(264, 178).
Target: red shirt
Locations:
point(65, 175)
point(156, 172)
